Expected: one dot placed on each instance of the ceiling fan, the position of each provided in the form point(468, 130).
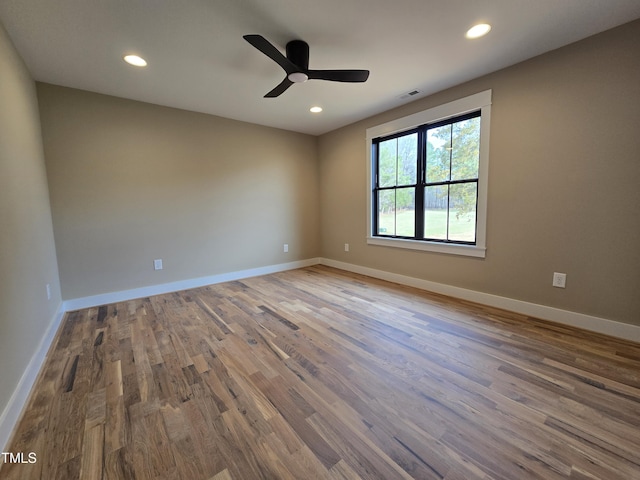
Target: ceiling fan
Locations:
point(296, 65)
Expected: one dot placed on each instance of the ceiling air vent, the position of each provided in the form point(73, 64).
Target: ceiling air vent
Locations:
point(410, 94)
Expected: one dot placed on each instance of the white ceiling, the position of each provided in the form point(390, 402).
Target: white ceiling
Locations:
point(199, 61)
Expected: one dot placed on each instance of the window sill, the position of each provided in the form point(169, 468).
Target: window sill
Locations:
point(448, 248)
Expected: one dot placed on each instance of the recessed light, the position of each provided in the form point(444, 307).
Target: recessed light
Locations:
point(135, 60)
point(315, 109)
point(478, 30)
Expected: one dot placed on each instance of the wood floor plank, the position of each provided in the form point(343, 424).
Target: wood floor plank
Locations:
point(92, 464)
point(319, 373)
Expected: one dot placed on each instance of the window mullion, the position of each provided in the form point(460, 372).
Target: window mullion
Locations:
point(420, 181)
point(449, 182)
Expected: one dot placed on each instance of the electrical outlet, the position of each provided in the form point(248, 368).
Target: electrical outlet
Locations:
point(559, 280)
point(157, 264)
point(48, 291)
point(346, 247)
point(285, 249)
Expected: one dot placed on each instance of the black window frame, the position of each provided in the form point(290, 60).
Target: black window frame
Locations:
point(421, 182)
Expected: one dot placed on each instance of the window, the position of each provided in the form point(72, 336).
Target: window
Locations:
point(428, 179)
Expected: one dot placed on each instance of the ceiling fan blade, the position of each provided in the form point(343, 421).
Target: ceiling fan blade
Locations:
point(262, 44)
point(339, 75)
point(286, 83)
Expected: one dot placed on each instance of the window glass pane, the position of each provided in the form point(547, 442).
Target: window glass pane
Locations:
point(465, 154)
point(436, 205)
point(387, 155)
point(438, 154)
point(397, 212)
point(407, 159)
point(462, 212)
point(406, 212)
point(387, 212)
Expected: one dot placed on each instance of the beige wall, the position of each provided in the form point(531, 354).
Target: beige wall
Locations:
point(27, 250)
point(131, 182)
point(564, 183)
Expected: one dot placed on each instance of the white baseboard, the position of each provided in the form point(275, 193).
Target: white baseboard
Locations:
point(124, 295)
point(595, 324)
point(13, 411)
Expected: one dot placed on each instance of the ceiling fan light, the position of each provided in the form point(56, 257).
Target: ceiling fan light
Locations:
point(298, 77)
point(478, 30)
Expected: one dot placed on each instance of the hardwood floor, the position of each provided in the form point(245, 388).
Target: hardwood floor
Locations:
point(323, 374)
